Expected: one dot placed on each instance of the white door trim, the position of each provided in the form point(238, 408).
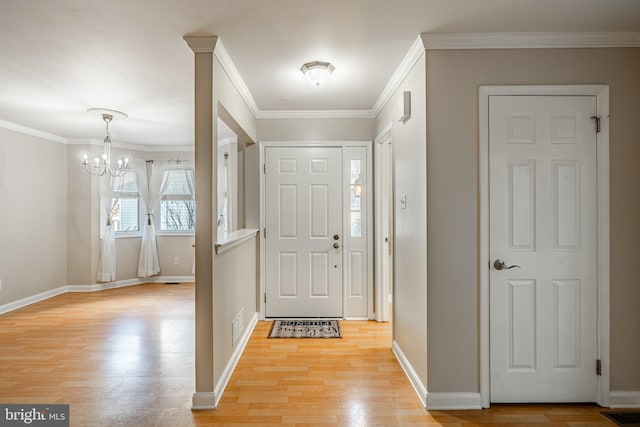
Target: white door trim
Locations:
point(381, 293)
point(601, 92)
point(369, 231)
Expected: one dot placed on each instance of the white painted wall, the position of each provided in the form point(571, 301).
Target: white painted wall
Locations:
point(33, 215)
point(410, 244)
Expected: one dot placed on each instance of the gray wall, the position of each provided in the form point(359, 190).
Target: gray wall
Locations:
point(84, 226)
point(410, 224)
point(49, 221)
point(33, 215)
point(234, 288)
point(315, 129)
point(453, 78)
point(83, 220)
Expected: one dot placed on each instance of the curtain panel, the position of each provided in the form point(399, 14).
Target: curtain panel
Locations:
point(107, 264)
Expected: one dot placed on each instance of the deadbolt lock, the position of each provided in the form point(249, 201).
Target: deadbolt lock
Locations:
point(336, 237)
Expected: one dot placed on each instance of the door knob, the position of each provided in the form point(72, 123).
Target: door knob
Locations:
point(500, 265)
point(336, 245)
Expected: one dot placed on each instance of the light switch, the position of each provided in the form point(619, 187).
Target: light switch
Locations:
point(403, 201)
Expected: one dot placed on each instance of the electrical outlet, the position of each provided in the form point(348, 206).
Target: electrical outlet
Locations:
point(237, 325)
point(176, 261)
point(235, 330)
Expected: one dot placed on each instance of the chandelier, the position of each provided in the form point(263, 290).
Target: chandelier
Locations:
point(101, 165)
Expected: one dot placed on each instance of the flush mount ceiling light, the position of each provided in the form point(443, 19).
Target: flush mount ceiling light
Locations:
point(317, 72)
point(102, 165)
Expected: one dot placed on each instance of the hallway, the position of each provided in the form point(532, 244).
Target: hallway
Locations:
point(124, 357)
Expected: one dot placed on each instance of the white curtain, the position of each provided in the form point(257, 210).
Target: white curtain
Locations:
point(190, 178)
point(223, 193)
point(107, 265)
point(151, 186)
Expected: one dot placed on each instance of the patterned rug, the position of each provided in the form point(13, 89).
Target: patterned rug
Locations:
point(305, 329)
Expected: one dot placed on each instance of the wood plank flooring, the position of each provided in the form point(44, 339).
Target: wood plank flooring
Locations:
point(124, 357)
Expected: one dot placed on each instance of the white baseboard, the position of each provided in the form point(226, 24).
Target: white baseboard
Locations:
point(415, 381)
point(624, 399)
point(168, 279)
point(203, 400)
point(449, 401)
point(103, 286)
point(89, 288)
point(233, 360)
point(5, 308)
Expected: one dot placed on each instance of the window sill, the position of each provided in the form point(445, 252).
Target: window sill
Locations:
point(229, 240)
point(163, 234)
point(128, 235)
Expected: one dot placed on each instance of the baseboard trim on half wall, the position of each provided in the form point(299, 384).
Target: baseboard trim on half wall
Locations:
point(624, 399)
point(451, 401)
point(14, 305)
point(203, 400)
point(233, 360)
point(415, 381)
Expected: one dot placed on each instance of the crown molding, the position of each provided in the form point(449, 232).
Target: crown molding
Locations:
point(415, 53)
point(315, 114)
point(136, 147)
point(32, 132)
point(236, 79)
point(529, 40)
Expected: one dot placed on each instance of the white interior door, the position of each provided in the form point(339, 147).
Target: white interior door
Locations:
point(303, 244)
point(543, 200)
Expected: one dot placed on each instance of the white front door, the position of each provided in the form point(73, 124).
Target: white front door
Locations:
point(303, 244)
point(543, 229)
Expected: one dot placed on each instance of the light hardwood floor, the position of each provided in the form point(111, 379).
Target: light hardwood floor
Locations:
point(124, 357)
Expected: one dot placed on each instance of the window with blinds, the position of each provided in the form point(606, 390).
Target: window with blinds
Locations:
point(177, 206)
point(125, 211)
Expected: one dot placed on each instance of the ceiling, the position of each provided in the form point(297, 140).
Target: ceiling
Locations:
point(58, 58)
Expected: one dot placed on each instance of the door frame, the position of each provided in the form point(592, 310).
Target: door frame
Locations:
point(601, 92)
point(382, 292)
point(261, 292)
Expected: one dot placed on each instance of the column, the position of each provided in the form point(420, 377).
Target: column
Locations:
point(203, 46)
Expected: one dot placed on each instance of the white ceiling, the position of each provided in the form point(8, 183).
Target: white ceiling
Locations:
point(58, 58)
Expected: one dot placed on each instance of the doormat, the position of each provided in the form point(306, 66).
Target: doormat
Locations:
point(305, 329)
point(624, 418)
